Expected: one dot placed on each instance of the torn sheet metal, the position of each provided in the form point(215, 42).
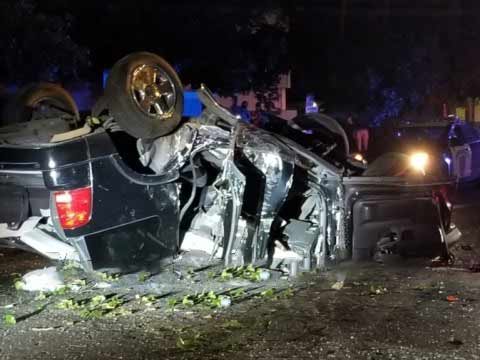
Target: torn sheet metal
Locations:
point(168, 153)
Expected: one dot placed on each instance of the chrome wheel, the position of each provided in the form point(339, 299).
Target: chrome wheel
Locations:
point(153, 91)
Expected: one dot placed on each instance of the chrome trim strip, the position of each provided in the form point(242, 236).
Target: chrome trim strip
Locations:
point(25, 172)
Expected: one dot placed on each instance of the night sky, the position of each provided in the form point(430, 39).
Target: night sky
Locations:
point(353, 52)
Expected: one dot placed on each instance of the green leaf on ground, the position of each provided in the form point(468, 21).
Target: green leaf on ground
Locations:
point(62, 290)
point(269, 293)
point(144, 276)
point(232, 324)
point(172, 302)
point(9, 320)
point(188, 341)
point(19, 285)
point(242, 272)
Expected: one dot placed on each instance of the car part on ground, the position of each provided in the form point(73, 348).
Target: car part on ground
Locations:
point(144, 95)
point(41, 101)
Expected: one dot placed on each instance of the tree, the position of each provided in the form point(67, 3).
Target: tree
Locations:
point(37, 46)
point(238, 49)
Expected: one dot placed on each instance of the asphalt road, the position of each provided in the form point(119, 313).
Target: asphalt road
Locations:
point(400, 310)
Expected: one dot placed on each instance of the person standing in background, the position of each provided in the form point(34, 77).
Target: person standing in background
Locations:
point(358, 134)
point(257, 118)
point(244, 113)
point(361, 136)
point(235, 109)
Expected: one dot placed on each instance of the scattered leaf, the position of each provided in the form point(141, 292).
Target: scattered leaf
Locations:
point(148, 300)
point(62, 290)
point(338, 285)
point(378, 290)
point(245, 272)
point(40, 296)
point(210, 299)
point(78, 282)
point(237, 293)
point(186, 342)
point(96, 300)
point(268, 293)
point(172, 302)
point(188, 300)
point(68, 304)
point(109, 277)
point(9, 320)
point(144, 276)
point(287, 293)
point(19, 285)
point(71, 265)
point(232, 324)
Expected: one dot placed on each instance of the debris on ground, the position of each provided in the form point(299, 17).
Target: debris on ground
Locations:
point(269, 293)
point(144, 276)
point(189, 341)
point(454, 341)
point(441, 261)
point(338, 285)
point(378, 290)
point(232, 325)
point(245, 272)
point(453, 298)
point(46, 279)
point(102, 285)
point(9, 320)
point(92, 308)
point(209, 299)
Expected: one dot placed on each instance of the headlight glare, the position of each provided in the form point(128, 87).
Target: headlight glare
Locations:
point(419, 161)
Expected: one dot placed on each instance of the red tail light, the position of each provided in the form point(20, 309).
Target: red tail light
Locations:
point(74, 207)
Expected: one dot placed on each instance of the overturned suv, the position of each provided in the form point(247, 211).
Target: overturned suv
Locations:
point(137, 184)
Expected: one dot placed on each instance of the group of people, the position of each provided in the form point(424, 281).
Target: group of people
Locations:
point(258, 117)
point(358, 134)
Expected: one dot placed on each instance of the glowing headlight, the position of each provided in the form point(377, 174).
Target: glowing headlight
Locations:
point(419, 161)
point(358, 157)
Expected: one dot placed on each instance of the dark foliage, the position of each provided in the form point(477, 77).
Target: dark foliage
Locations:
point(381, 59)
point(36, 45)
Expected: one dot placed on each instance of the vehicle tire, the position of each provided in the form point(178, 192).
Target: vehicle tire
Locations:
point(144, 95)
point(40, 101)
point(331, 125)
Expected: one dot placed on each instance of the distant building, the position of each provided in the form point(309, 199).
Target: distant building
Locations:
point(251, 98)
